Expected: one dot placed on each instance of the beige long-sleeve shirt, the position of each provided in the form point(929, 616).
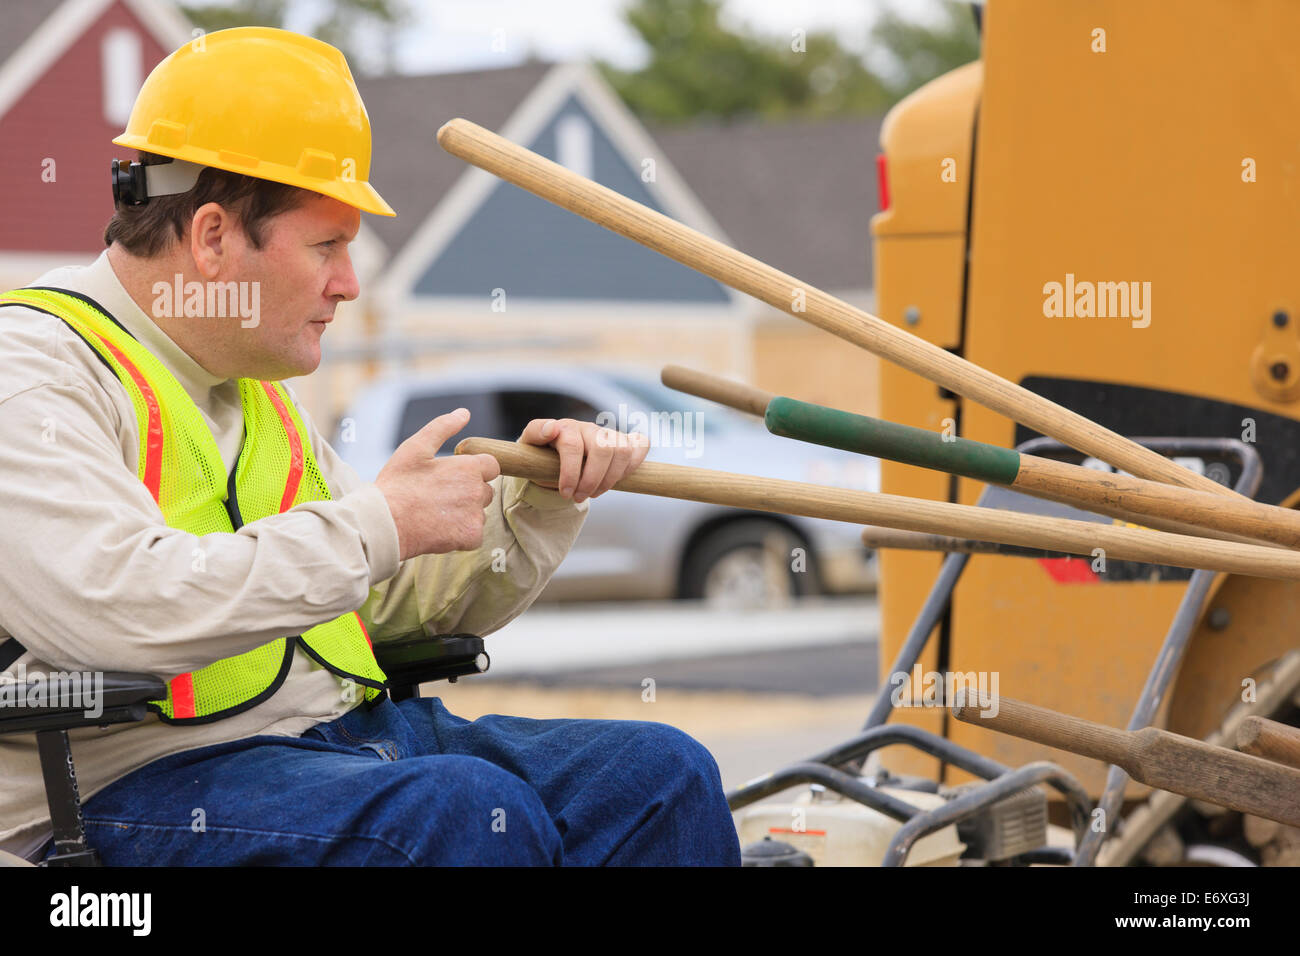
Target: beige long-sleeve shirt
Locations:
point(92, 578)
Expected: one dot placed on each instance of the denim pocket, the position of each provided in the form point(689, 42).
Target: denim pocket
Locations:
point(386, 749)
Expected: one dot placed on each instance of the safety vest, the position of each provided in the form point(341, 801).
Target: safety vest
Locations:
point(180, 464)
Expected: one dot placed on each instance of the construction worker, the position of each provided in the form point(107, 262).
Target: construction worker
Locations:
point(170, 509)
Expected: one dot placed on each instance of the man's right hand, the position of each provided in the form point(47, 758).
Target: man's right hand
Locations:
point(437, 503)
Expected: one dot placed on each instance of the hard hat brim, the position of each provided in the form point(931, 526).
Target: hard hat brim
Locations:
point(356, 193)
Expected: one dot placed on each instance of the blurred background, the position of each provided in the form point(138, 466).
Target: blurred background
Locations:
point(754, 121)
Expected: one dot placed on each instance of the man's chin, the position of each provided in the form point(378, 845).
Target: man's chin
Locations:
point(295, 368)
point(304, 370)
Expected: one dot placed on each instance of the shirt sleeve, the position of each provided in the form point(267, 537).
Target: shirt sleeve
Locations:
point(527, 532)
point(91, 576)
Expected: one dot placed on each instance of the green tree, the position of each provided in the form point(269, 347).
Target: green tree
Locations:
point(699, 67)
point(338, 26)
point(920, 52)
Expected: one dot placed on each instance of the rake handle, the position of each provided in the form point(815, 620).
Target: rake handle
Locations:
point(1269, 739)
point(910, 514)
point(1155, 757)
point(1181, 510)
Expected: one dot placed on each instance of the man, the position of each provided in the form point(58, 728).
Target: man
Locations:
point(170, 509)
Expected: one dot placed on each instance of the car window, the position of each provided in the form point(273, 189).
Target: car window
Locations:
point(518, 407)
point(484, 422)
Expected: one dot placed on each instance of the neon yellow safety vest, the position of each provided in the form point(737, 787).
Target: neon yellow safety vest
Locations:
point(181, 466)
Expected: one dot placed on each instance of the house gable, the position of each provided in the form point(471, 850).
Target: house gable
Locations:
point(535, 250)
point(487, 235)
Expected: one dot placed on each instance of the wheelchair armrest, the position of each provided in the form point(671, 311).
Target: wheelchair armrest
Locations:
point(93, 699)
point(419, 658)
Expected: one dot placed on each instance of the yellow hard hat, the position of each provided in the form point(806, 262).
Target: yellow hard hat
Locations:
point(266, 103)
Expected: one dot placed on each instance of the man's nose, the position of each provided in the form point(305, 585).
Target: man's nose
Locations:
point(344, 284)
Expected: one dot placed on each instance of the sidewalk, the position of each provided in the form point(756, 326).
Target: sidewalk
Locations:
point(561, 638)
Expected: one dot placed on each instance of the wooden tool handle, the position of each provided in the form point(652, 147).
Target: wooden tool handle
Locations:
point(880, 538)
point(833, 428)
point(1149, 503)
point(911, 514)
point(1043, 726)
point(1237, 519)
point(737, 395)
point(1155, 757)
point(1269, 739)
point(1135, 500)
point(616, 212)
point(848, 431)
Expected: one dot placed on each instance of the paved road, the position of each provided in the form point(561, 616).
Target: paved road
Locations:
point(824, 670)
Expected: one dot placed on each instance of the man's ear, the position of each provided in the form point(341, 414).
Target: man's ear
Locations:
point(214, 239)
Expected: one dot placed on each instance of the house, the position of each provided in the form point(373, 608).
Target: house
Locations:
point(69, 72)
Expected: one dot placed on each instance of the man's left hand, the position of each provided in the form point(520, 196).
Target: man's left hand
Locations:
point(592, 459)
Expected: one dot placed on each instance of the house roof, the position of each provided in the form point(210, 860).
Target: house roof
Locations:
point(407, 166)
point(21, 20)
point(797, 195)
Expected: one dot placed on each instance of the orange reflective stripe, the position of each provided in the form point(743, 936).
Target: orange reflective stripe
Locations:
point(182, 686)
point(182, 689)
point(364, 632)
point(195, 501)
point(154, 438)
point(295, 448)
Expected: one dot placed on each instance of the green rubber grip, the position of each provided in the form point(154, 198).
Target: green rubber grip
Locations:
point(820, 425)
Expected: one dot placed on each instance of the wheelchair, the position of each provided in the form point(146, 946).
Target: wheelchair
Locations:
point(408, 661)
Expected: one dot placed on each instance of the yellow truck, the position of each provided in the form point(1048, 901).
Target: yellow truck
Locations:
point(1105, 209)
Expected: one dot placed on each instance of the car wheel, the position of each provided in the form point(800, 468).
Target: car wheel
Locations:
point(749, 563)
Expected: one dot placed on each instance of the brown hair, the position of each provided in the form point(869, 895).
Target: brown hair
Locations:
point(148, 229)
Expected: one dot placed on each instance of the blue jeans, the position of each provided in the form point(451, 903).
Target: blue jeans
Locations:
point(411, 784)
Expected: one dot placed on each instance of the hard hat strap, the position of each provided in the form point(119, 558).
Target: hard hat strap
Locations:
point(167, 179)
point(135, 183)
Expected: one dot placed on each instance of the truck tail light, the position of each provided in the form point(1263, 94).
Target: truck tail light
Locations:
point(882, 181)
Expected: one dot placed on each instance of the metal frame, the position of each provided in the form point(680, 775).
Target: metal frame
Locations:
point(839, 767)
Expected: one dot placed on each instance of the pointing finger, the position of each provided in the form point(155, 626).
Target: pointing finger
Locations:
point(432, 436)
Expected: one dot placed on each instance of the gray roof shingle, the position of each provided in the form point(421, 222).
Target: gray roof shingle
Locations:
point(797, 195)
